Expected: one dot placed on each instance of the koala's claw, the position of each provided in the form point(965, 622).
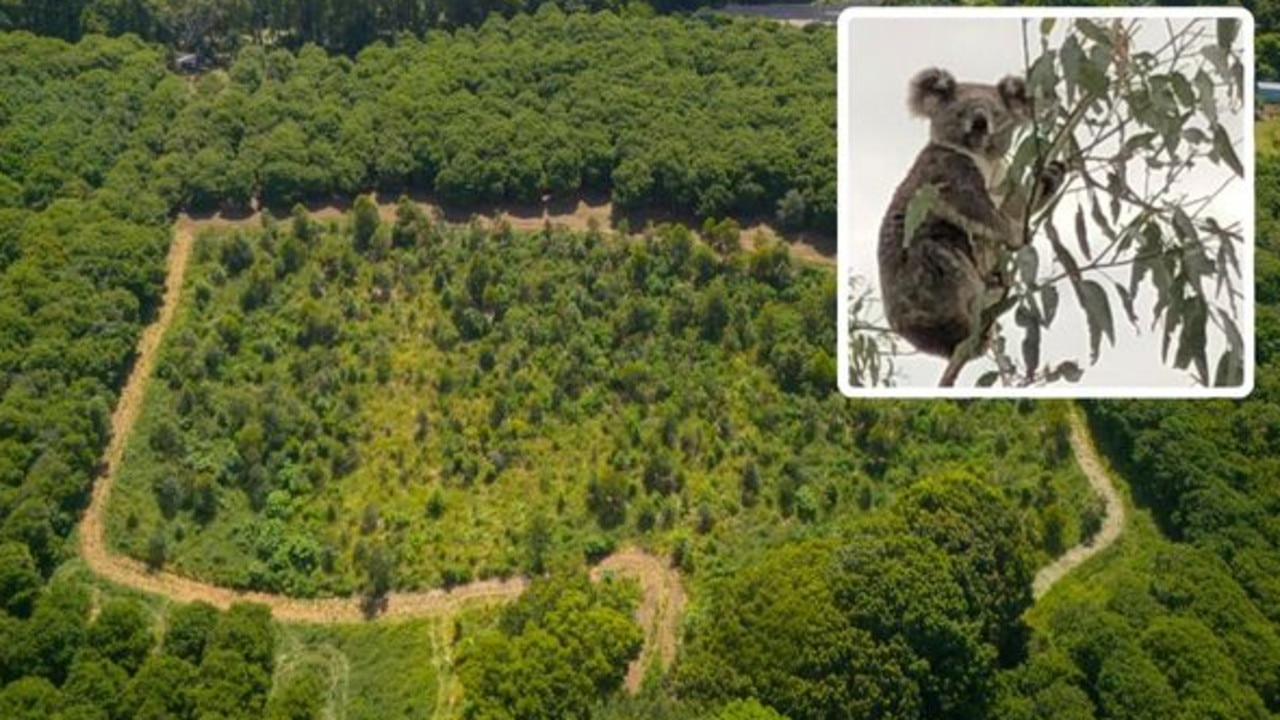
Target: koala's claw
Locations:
point(1052, 177)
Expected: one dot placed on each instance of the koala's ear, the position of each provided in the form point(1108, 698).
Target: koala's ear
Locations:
point(1013, 91)
point(930, 90)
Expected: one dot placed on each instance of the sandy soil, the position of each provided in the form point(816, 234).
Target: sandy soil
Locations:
point(1112, 524)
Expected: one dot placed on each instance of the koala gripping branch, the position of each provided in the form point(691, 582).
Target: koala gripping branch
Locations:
point(1040, 202)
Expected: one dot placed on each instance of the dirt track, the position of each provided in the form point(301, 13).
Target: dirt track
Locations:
point(663, 600)
point(1100, 481)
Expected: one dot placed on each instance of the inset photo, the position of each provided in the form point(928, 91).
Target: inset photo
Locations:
point(1046, 202)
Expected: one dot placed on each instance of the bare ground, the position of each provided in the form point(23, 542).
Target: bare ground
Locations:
point(661, 607)
point(1100, 481)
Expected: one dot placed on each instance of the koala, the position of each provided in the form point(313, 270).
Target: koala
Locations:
point(937, 284)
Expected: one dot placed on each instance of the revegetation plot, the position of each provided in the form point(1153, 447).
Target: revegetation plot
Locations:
point(352, 406)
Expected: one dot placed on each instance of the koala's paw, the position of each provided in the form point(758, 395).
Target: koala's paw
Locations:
point(1052, 177)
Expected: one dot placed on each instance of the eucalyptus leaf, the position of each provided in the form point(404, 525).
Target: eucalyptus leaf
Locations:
point(1218, 58)
point(1093, 75)
point(1191, 341)
point(1093, 31)
point(1046, 25)
point(1228, 29)
point(1222, 145)
point(1043, 78)
point(1082, 233)
point(1126, 301)
point(1207, 97)
point(1097, 310)
point(1060, 251)
point(1183, 227)
point(1095, 211)
point(1141, 140)
point(1028, 259)
point(1230, 371)
point(988, 378)
point(1234, 340)
point(1073, 60)
point(1194, 135)
point(1031, 348)
point(1049, 299)
point(1182, 89)
point(1172, 317)
point(918, 208)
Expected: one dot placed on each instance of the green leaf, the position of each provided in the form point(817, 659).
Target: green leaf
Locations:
point(1093, 31)
point(1073, 60)
point(1049, 298)
point(1230, 372)
point(1141, 140)
point(1191, 341)
point(1228, 29)
point(1115, 188)
point(1046, 25)
point(1043, 78)
point(1208, 98)
point(1183, 227)
point(1030, 342)
point(1234, 341)
point(1194, 135)
point(1093, 76)
point(918, 208)
point(1095, 211)
point(1218, 58)
point(1182, 89)
point(1028, 260)
point(1172, 317)
point(1082, 234)
point(1097, 310)
point(1222, 146)
point(1061, 253)
point(1126, 301)
point(988, 378)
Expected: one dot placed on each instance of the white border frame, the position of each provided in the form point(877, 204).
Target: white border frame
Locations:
point(845, 205)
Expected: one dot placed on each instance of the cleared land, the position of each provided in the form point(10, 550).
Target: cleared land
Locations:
point(663, 597)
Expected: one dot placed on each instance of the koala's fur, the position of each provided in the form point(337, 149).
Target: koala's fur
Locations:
point(936, 284)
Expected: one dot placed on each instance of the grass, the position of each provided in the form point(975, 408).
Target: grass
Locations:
point(374, 671)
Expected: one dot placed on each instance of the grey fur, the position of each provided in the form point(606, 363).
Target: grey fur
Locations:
point(936, 284)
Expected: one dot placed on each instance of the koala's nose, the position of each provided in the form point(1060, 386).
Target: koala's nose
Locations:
point(980, 124)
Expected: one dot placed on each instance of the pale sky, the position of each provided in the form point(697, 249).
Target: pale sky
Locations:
point(884, 140)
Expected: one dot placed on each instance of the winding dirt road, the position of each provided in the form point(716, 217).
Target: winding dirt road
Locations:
point(663, 597)
point(1112, 523)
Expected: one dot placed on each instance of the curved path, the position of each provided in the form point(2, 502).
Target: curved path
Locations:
point(1112, 523)
point(663, 598)
point(662, 595)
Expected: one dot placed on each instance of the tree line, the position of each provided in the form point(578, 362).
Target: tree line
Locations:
point(694, 117)
point(224, 26)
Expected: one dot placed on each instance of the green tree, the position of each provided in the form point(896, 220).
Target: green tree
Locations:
point(559, 649)
point(122, 633)
point(189, 629)
point(19, 580)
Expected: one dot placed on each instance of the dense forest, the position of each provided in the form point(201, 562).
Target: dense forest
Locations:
point(223, 26)
point(846, 559)
point(693, 118)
